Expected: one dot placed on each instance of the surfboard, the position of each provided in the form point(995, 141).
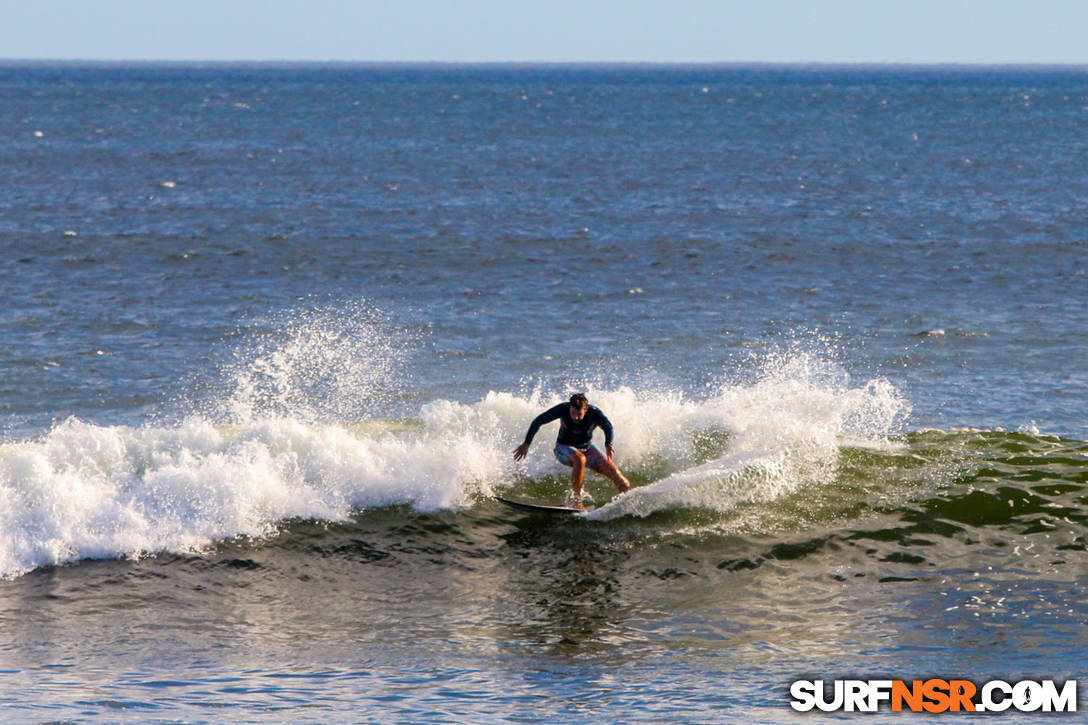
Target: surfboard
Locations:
point(538, 508)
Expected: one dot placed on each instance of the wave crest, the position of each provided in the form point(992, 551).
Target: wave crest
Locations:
point(90, 491)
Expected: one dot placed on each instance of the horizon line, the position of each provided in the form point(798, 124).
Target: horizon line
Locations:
point(554, 63)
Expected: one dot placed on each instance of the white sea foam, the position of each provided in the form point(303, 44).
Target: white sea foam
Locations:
point(294, 434)
point(88, 491)
point(785, 431)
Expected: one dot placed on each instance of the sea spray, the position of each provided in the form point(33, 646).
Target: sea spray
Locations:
point(299, 433)
point(785, 430)
point(332, 363)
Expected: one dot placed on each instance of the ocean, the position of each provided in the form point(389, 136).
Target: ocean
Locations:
point(271, 334)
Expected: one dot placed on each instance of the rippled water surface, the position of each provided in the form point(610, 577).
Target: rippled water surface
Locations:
point(272, 334)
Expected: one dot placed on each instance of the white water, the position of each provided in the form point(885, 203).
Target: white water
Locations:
point(292, 436)
point(785, 431)
point(88, 491)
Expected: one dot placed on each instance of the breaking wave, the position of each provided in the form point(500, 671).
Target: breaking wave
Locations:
point(293, 434)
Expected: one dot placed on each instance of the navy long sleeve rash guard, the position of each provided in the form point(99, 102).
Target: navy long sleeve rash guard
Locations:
point(577, 433)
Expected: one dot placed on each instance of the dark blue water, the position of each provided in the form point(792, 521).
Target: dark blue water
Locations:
point(271, 333)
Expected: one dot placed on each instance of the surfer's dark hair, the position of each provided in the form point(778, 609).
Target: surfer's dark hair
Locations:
point(579, 400)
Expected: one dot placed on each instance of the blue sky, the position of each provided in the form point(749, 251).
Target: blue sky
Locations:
point(833, 31)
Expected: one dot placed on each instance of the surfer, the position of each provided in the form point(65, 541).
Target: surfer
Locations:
point(574, 445)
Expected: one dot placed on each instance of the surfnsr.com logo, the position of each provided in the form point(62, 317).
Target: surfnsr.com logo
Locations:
point(934, 695)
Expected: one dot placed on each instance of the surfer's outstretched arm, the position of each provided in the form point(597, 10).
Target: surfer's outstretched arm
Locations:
point(546, 417)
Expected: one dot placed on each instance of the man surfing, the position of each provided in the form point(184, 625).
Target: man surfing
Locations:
point(574, 445)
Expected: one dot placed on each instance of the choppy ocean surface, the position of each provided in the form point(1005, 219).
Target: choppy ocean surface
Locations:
point(271, 334)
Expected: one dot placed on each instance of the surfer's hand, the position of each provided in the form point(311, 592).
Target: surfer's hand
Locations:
point(610, 451)
point(521, 451)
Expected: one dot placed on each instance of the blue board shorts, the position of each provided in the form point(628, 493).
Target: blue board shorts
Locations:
point(594, 458)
